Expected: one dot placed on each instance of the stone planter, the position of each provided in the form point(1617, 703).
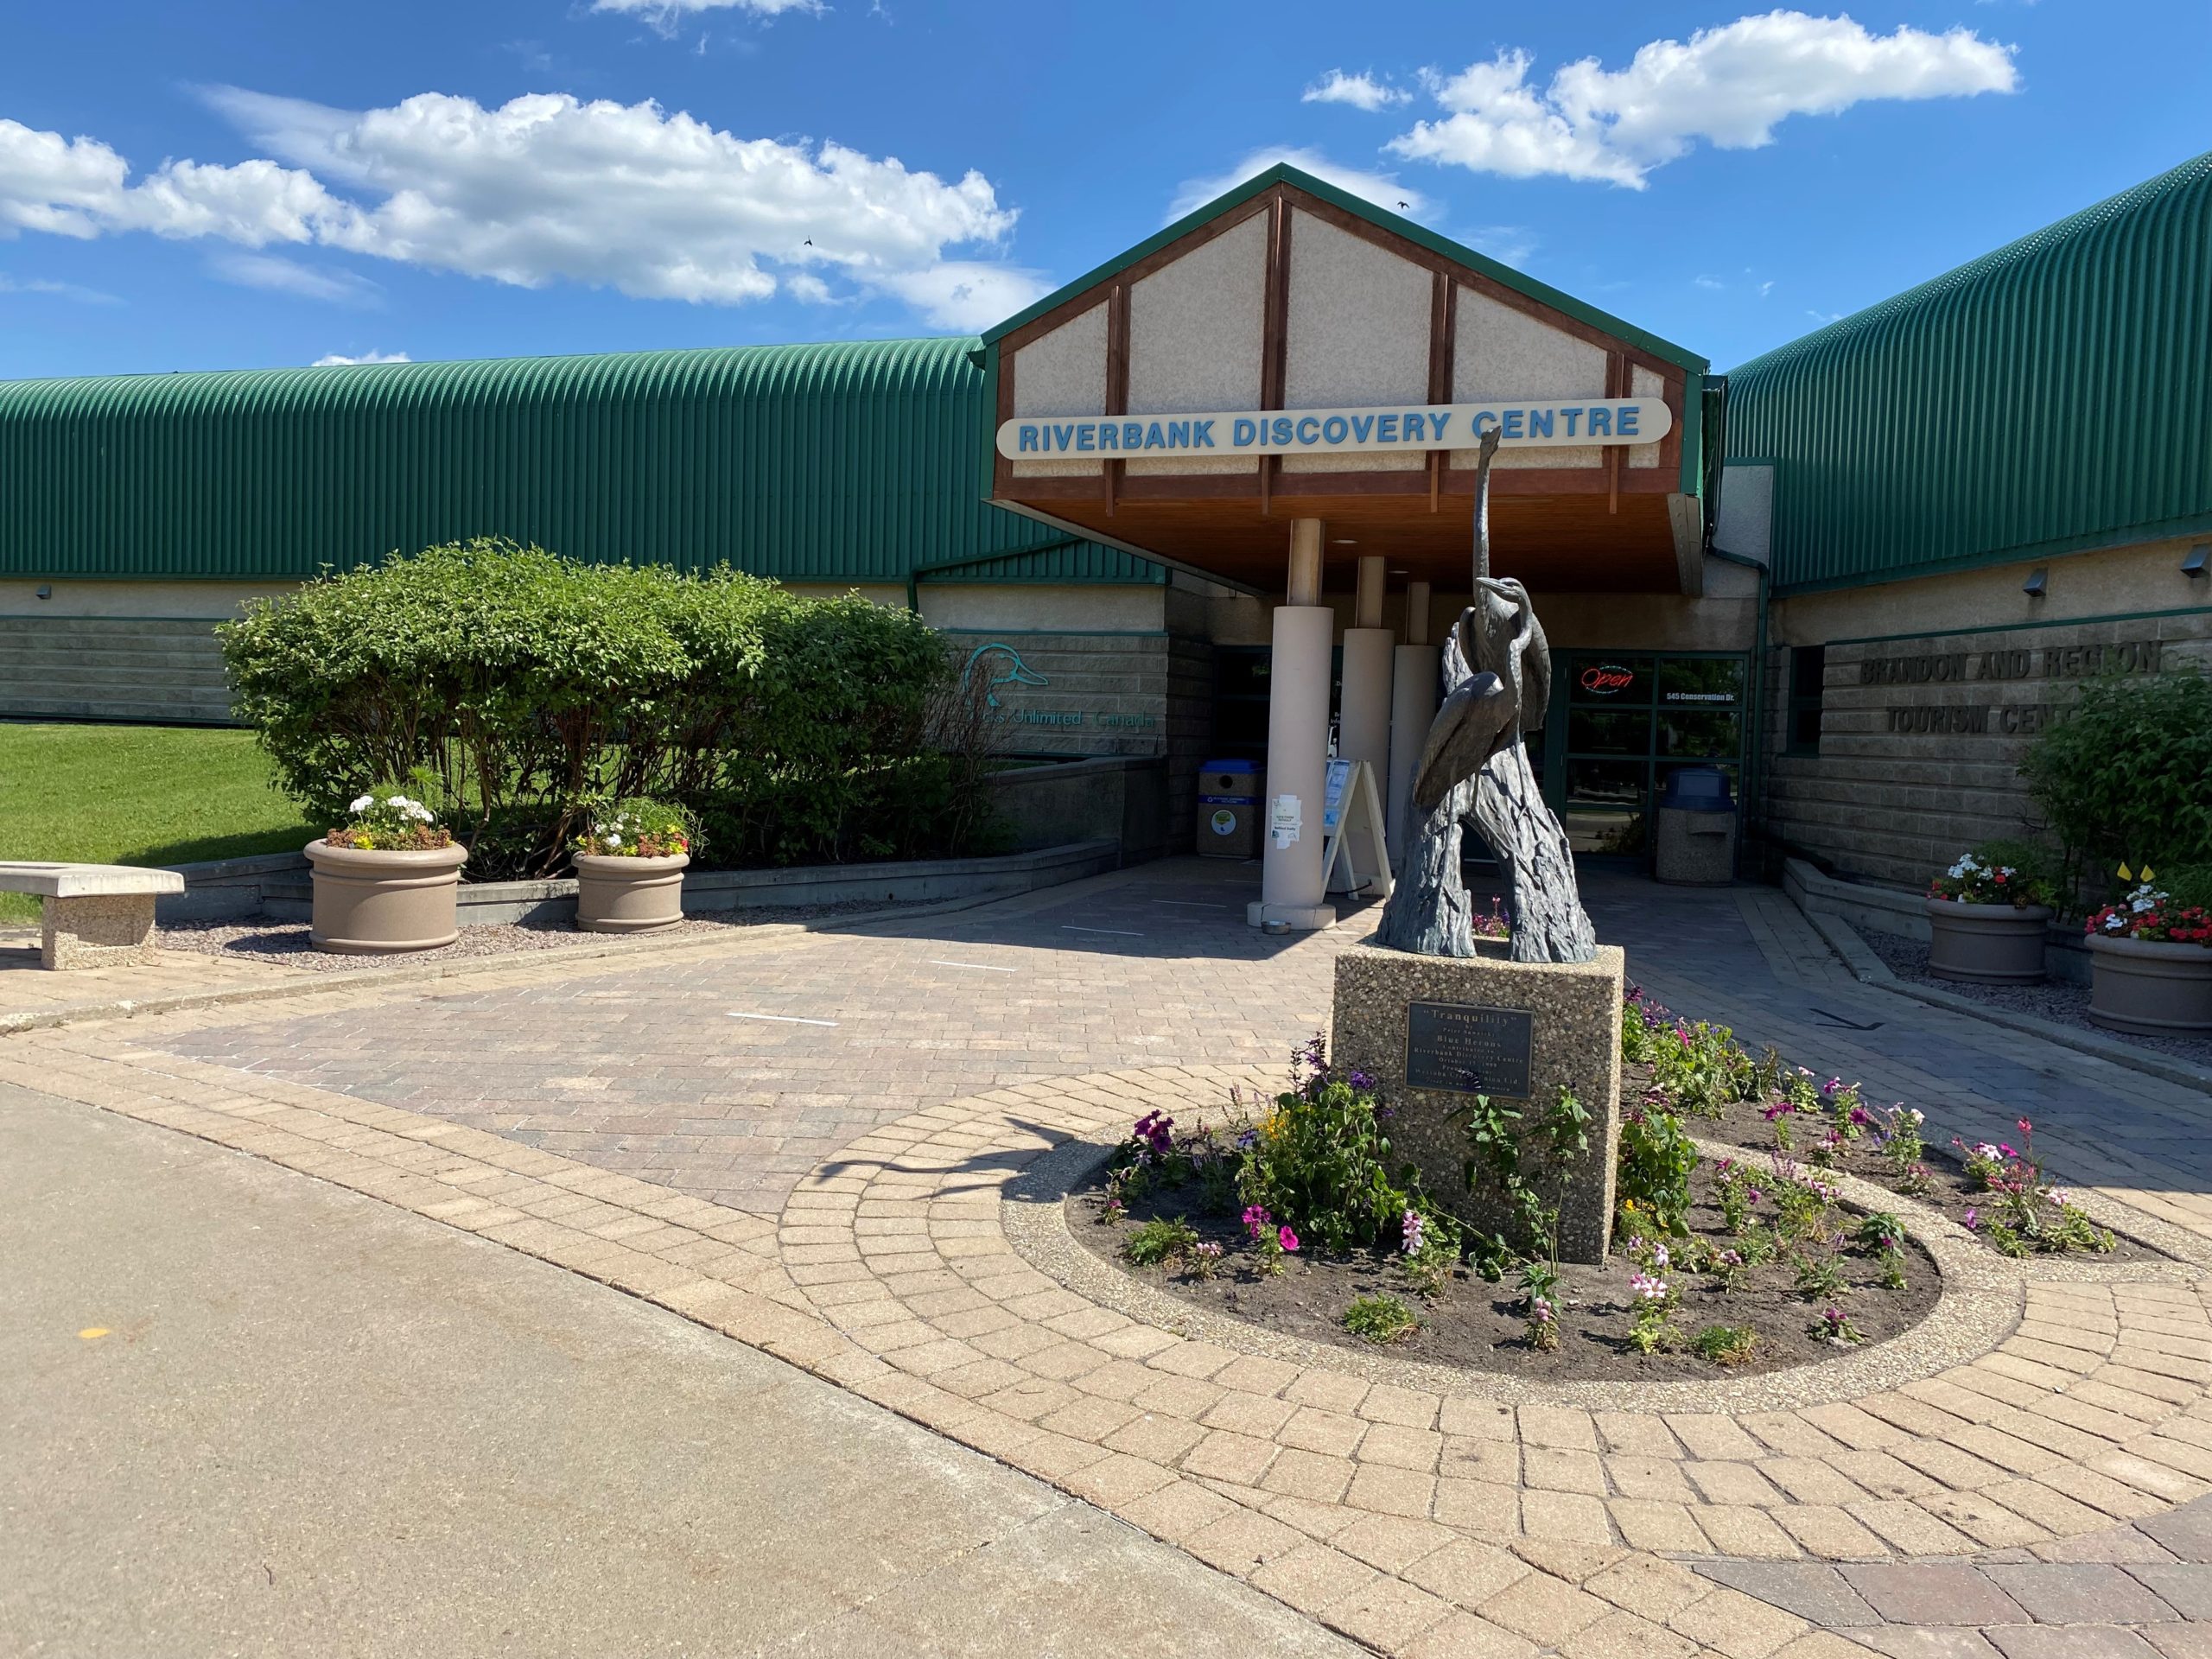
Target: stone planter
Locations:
point(629, 895)
point(377, 903)
point(1985, 944)
point(2153, 988)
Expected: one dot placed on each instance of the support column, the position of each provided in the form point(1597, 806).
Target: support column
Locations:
point(1416, 672)
point(1363, 716)
point(1298, 746)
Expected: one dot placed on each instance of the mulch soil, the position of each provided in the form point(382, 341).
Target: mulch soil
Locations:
point(1479, 1325)
point(1744, 1124)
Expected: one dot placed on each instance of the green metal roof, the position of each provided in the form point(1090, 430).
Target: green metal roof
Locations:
point(2050, 397)
point(846, 462)
point(1359, 207)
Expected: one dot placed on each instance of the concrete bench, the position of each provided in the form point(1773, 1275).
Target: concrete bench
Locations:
point(96, 915)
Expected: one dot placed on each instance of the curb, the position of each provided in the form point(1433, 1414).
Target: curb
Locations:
point(430, 973)
point(1870, 969)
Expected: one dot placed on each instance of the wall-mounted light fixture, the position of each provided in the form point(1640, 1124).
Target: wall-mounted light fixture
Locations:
point(46, 590)
point(2193, 566)
point(2034, 586)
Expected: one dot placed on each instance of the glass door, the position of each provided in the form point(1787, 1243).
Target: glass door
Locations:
point(1620, 721)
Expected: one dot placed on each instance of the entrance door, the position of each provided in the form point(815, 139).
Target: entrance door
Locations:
point(1620, 721)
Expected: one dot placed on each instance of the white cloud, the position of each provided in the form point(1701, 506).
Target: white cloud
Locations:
point(1730, 86)
point(1381, 189)
point(1362, 92)
point(76, 291)
point(666, 13)
point(546, 188)
point(281, 275)
point(337, 360)
point(1511, 244)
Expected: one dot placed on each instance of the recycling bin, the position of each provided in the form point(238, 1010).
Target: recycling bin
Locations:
point(1229, 809)
point(1697, 828)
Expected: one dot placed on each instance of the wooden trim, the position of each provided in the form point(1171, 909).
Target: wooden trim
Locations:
point(1488, 287)
point(1443, 324)
point(1136, 273)
point(1454, 484)
point(1274, 333)
point(1117, 375)
point(1617, 380)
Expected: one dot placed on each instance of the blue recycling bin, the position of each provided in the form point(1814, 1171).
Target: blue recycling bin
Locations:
point(1695, 845)
point(1229, 809)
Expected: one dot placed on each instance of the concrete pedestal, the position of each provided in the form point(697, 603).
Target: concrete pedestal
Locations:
point(1572, 1022)
point(1416, 673)
point(113, 930)
point(1298, 760)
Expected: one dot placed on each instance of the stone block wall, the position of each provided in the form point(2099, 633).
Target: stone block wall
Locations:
point(1922, 736)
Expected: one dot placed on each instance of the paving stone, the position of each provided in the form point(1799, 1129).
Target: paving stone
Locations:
point(1927, 1642)
point(2185, 1587)
point(1813, 1590)
point(1463, 1636)
point(2185, 1530)
point(2079, 1593)
point(1738, 1625)
point(2070, 1642)
point(1932, 1593)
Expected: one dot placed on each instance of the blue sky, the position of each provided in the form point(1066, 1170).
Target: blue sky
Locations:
point(236, 184)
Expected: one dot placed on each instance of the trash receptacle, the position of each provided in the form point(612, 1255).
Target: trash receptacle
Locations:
point(1697, 828)
point(1229, 809)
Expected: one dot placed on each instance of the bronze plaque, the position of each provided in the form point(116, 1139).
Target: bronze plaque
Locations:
point(1467, 1049)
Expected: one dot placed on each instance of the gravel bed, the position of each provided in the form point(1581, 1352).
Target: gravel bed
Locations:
point(2066, 1005)
point(285, 944)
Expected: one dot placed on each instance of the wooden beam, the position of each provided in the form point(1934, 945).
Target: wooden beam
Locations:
point(1117, 376)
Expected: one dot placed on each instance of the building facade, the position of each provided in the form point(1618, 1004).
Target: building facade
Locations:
point(1213, 499)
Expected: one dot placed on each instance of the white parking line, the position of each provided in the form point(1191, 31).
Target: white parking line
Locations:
point(781, 1018)
point(986, 966)
point(1118, 932)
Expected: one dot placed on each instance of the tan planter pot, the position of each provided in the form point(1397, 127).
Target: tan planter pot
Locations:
point(629, 895)
point(375, 904)
point(1985, 944)
point(2153, 988)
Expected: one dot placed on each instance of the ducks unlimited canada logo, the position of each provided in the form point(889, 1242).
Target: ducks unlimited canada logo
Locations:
point(1608, 679)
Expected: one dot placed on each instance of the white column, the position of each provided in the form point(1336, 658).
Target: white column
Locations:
point(1416, 670)
point(1363, 716)
point(1298, 746)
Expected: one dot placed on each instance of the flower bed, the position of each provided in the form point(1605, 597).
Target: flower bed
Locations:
point(1294, 1214)
point(1447, 1314)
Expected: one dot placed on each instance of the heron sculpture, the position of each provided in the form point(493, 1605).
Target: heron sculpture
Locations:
point(1475, 768)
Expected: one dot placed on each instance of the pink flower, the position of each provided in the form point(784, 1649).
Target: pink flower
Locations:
point(1971, 1218)
point(2024, 1126)
point(1287, 1239)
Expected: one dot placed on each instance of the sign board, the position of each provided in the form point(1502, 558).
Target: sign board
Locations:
point(1464, 1048)
point(1355, 853)
point(1523, 423)
point(1286, 820)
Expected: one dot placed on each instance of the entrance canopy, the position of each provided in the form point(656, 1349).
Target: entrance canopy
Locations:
point(1292, 352)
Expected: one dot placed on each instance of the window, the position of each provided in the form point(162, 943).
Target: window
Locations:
point(1809, 670)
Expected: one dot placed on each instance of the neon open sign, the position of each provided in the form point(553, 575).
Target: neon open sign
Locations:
point(1608, 679)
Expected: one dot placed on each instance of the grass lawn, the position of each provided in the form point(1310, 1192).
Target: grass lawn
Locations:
point(136, 795)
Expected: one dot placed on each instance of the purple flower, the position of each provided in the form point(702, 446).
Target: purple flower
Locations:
point(1971, 1219)
point(1409, 1231)
point(1287, 1239)
point(1361, 1082)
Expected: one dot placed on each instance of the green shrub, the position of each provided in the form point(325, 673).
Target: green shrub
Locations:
point(1381, 1319)
point(1657, 1157)
point(528, 686)
point(2120, 775)
point(1320, 1161)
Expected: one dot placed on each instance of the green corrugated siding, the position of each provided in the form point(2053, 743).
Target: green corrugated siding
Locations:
point(810, 463)
point(2053, 395)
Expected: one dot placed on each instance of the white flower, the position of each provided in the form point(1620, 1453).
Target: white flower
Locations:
point(614, 839)
point(362, 804)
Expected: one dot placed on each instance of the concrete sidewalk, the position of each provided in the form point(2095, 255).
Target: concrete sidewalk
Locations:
point(315, 1423)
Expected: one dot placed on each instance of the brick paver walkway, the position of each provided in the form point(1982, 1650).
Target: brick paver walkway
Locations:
point(831, 1147)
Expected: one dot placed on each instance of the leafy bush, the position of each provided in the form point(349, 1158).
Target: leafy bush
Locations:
point(2120, 775)
point(1997, 873)
point(636, 829)
point(1725, 1345)
point(1657, 1157)
point(1318, 1161)
point(527, 686)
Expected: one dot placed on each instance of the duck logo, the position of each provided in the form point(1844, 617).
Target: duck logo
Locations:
point(999, 664)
